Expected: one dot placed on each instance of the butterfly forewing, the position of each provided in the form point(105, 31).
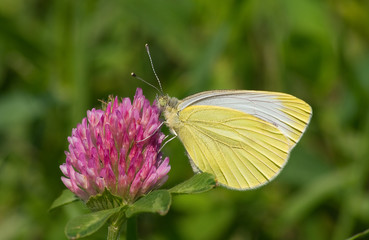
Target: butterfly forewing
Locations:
point(286, 112)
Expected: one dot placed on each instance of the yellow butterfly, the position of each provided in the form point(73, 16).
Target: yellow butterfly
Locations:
point(243, 138)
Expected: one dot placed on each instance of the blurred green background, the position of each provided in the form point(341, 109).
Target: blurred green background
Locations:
point(57, 58)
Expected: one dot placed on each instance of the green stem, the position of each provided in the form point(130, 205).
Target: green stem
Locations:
point(113, 232)
point(115, 227)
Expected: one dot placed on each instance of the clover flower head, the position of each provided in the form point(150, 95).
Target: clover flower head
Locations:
point(117, 149)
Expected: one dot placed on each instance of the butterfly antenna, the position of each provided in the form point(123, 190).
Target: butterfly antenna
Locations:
point(152, 66)
point(137, 77)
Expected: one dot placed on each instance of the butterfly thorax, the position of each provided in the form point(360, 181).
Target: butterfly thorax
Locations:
point(169, 108)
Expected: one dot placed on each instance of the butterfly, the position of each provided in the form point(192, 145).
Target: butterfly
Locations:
point(242, 137)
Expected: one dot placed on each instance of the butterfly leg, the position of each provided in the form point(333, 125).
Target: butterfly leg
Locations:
point(175, 135)
point(161, 124)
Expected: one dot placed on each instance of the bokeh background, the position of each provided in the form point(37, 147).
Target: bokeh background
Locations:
point(59, 57)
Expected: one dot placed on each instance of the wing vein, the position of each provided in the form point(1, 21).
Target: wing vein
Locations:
point(204, 155)
point(250, 145)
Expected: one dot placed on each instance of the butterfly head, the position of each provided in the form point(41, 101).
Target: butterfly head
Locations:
point(164, 102)
point(169, 108)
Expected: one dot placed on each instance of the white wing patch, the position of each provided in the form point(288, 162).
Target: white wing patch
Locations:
point(288, 113)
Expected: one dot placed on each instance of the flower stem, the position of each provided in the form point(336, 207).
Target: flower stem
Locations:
point(115, 226)
point(113, 232)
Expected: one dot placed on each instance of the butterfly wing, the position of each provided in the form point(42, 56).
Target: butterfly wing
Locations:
point(241, 150)
point(288, 113)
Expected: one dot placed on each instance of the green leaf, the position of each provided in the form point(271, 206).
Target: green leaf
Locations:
point(87, 224)
point(65, 198)
point(155, 202)
point(360, 235)
point(199, 183)
point(103, 201)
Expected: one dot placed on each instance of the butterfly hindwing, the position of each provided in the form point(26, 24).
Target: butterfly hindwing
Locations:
point(241, 150)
